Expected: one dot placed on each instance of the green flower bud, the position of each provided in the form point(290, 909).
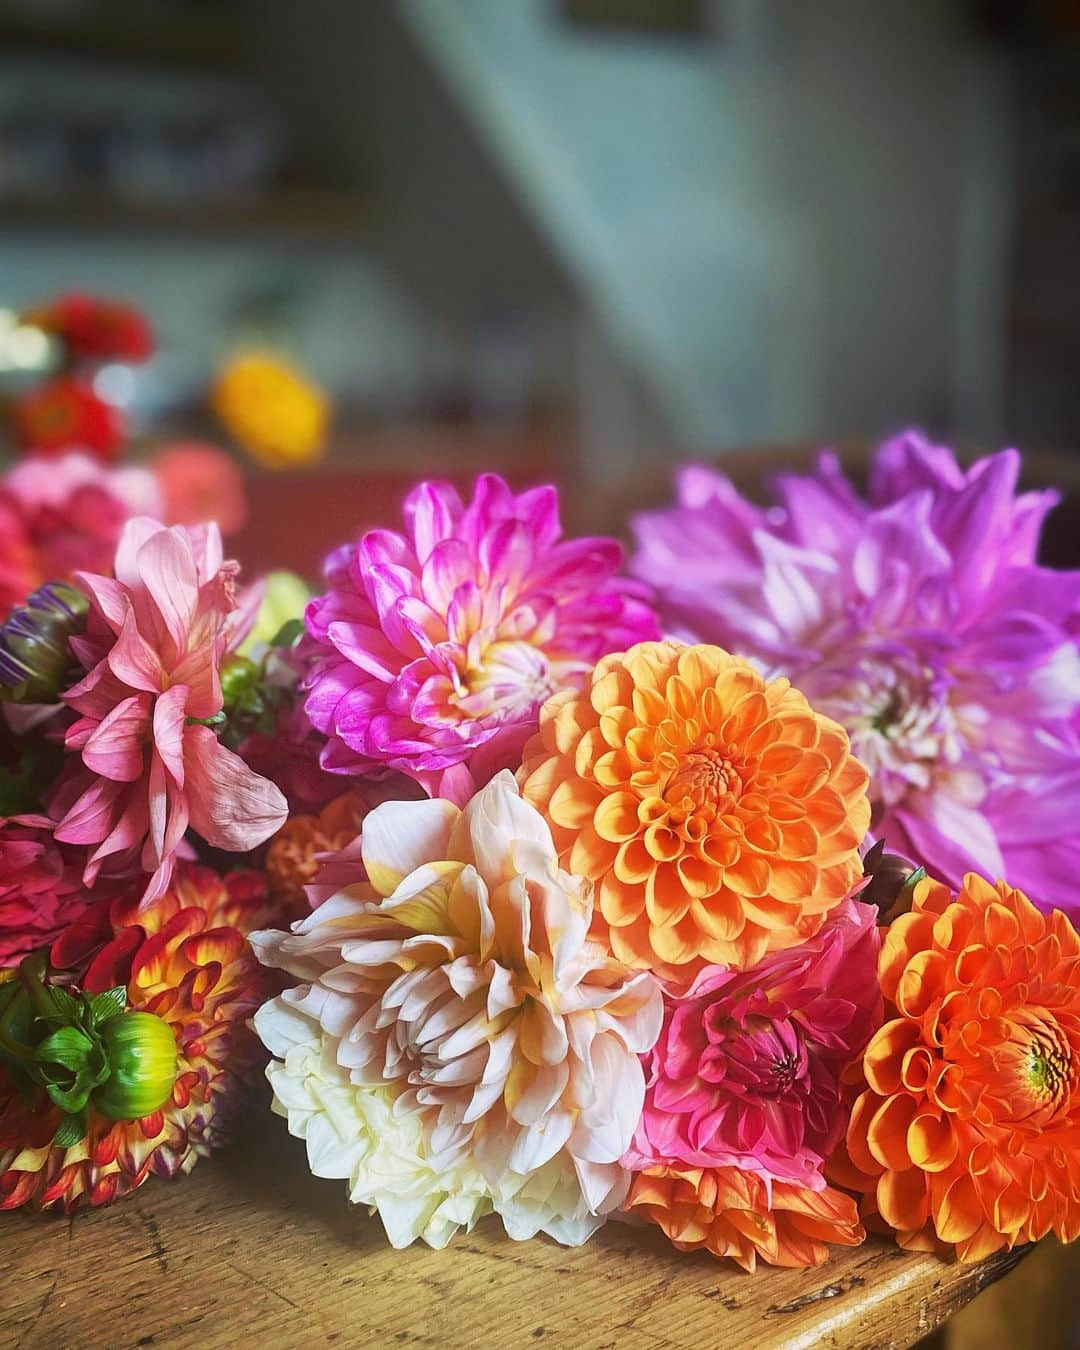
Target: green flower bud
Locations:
point(141, 1054)
point(35, 660)
point(239, 681)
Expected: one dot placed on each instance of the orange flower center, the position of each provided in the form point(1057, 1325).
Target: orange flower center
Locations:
point(1043, 1063)
point(703, 785)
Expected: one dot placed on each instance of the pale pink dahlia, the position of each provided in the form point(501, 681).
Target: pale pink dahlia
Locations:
point(458, 986)
point(433, 650)
point(746, 1071)
point(148, 766)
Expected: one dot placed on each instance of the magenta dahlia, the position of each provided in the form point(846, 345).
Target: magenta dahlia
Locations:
point(919, 619)
point(432, 650)
point(746, 1071)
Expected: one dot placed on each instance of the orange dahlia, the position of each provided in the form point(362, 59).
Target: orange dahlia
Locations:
point(185, 959)
point(728, 1212)
point(966, 1131)
point(718, 815)
point(295, 854)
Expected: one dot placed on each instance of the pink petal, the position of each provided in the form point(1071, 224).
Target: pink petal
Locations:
point(231, 807)
point(115, 748)
point(133, 660)
point(170, 711)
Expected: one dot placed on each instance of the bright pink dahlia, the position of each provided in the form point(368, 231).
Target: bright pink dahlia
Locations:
point(746, 1072)
point(41, 887)
point(148, 766)
point(434, 649)
point(919, 619)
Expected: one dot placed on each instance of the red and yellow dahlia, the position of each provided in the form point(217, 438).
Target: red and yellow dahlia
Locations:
point(729, 1213)
point(185, 959)
point(966, 1131)
point(718, 814)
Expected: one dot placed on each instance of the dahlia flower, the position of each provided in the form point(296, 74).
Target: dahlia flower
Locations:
point(199, 482)
point(966, 1131)
point(41, 887)
point(95, 328)
point(919, 620)
point(148, 766)
point(273, 411)
point(304, 845)
point(66, 414)
point(459, 979)
point(719, 816)
point(734, 1213)
point(747, 1069)
point(63, 515)
point(186, 959)
point(432, 651)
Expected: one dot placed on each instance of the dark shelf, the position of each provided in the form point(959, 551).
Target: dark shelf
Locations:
point(302, 212)
point(208, 42)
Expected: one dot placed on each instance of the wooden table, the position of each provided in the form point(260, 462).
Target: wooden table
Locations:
point(250, 1250)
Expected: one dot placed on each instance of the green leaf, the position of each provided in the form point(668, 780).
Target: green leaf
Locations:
point(71, 1130)
point(109, 1004)
point(68, 1047)
point(289, 634)
point(67, 1007)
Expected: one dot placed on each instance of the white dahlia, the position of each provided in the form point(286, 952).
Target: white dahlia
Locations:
point(458, 985)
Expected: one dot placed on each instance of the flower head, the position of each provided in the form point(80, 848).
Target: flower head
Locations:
point(965, 1132)
point(432, 651)
point(95, 328)
point(41, 887)
point(62, 516)
point(747, 1069)
point(459, 982)
point(271, 409)
point(199, 482)
point(66, 414)
point(718, 815)
point(148, 766)
point(734, 1213)
point(919, 620)
point(186, 960)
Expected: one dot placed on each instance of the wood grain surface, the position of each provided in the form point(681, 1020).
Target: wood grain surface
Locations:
point(250, 1250)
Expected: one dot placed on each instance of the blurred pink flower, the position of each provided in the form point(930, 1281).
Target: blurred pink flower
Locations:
point(148, 765)
point(198, 483)
point(60, 516)
point(432, 645)
point(746, 1072)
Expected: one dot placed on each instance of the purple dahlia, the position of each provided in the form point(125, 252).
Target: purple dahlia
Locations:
point(919, 619)
point(432, 650)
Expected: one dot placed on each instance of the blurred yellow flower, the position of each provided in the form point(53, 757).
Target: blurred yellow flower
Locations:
point(271, 409)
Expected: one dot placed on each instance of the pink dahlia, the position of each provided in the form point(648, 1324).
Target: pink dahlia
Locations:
point(919, 619)
point(148, 765)
point(746, 1072)
point(41, 887)
point(60, 516)
point(433, 650)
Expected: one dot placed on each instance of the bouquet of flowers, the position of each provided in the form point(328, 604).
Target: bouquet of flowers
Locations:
point(560, 894)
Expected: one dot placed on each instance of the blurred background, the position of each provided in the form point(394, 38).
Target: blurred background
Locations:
point(591, 234)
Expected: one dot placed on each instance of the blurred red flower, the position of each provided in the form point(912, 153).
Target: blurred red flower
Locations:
point(93, 328)
point(65, 414)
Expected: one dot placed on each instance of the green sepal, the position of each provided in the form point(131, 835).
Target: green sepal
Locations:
point(69, 1047)
point(104, 1007)
point(72, 1130)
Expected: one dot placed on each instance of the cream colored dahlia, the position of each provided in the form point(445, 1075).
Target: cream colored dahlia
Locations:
point(459, 983)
